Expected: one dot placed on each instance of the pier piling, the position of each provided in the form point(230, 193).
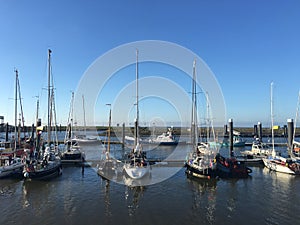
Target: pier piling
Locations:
point(6, 132)
point(290, 132)
point(259, 131)
point(255, 133)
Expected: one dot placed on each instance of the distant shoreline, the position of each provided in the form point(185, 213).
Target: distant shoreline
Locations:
point(147, 131)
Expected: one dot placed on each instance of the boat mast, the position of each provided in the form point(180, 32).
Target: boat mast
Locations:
point(53, 110)
point(21, 106)
point(16, 108)
point(37, 111)
point(84, 122)
point(71, 116)
point(194, 128)
point(108, 132)
point(37, 125)
point(272, 119)
point(137, 101)
point(49, 98)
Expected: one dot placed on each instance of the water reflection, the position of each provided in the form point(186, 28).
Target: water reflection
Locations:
point(145, 180)
point(133, 196)
point(204, 199)
point(279, 181)
point(35, 196)
point(280, 193)
point(107, 200)
point(7, 187)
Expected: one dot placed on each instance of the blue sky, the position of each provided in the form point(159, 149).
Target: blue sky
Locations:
point(247, 44)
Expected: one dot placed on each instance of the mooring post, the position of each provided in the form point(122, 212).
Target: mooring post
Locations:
point(6, 132)
point(259, 131)
point(290, 124)
point(225, 130)
point(32, 134)
point(230, 123)
point(255, 133)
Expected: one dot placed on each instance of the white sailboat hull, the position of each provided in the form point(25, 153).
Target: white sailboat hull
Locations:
point(136, 172)
point(277, 167)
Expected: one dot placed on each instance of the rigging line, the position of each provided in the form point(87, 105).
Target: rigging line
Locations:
point(55, 119)
point(70, 117)
point(21, 106)
point(194, 128)
point(297, 112)
point(272, 117)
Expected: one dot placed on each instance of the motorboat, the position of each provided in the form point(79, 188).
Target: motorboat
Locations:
point(166, 138)
point(10, 166)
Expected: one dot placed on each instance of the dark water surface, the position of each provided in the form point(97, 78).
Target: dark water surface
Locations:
point(82, 197)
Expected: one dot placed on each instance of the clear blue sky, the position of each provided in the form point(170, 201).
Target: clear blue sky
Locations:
point(247, 44)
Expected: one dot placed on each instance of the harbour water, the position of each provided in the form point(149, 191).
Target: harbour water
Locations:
point(80, 196)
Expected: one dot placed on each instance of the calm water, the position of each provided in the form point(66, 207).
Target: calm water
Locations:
point(81, 196)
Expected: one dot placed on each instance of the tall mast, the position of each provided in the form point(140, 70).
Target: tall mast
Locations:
point(53, 113)
point(49, 97)
point(272, 118)
point(16, 108)
point(72, 115)
point(37, 111)
point(21, 106)
point(108, 132)
point(194, 128)
point(84, 122)
point(137, 99)
point(37, 125)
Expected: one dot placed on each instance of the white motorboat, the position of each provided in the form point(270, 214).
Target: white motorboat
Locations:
point(259, 150)
point(166, 138)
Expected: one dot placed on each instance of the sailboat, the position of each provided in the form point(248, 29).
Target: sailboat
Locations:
point(44, 164)
point(200, 162)
point(107, 167)
point(275, 162)
point(72, 152)
point(9, 164)
point(84, 138)
point(15, 146)
point(138, 166)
